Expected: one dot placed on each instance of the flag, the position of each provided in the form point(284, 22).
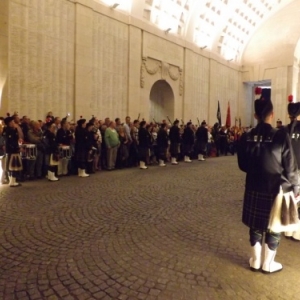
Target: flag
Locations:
point(219, 114)
point(228, 117)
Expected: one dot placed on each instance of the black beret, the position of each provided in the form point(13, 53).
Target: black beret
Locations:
point(8, 120)
point(81, 121)
point(294, 109)
point(263, 107)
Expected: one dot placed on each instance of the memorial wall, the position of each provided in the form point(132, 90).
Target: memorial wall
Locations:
point(87, 59)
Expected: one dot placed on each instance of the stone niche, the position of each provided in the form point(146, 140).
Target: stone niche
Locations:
point(162, 85)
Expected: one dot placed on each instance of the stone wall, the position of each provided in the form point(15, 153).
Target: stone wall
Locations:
point(41, 57)
point(80, 57)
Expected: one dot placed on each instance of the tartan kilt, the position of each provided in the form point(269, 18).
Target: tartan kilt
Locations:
point(81, 155)
point(174, 149)
point(256, 209)
point(14, 162)
point(201, 147)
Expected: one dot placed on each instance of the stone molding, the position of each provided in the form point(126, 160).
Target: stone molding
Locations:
point(152, 66)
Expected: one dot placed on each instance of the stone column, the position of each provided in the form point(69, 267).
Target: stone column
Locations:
point(3, 56)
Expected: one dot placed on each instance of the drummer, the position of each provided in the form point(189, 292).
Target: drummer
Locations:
point(63, 138)
point(14, 162)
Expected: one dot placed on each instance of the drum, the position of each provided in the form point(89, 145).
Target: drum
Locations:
point(65, 152)
point(28, 151)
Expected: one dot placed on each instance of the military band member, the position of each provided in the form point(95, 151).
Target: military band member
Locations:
point(144, 138)
point(188, 139)
point(12, 149)
point(201, 141)
point(266, 155)
point(175, 140)
point(51, 151)
point(81, 147)
point(162, 144)
point(293, 130)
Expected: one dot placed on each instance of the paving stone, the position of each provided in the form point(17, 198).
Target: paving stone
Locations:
point(166, 233)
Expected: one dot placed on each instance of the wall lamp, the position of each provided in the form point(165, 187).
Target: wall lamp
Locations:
point(203, 47)
point(115, 5)
point(168, 30)
point(230, 59)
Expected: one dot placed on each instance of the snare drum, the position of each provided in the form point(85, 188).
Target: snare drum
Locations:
point(65, 152)
point(29, 151)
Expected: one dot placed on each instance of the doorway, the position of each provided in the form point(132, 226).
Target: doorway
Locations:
point(161, 101)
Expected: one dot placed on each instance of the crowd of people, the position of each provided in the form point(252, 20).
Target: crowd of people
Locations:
point(57, 147)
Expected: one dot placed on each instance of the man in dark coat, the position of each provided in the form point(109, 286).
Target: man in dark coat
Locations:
point(201, 141)
point(174, 136)
point(162, 144)
point(188, 140)
point(266, 155)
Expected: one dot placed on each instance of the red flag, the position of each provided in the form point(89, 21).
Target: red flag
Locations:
point(228, 117)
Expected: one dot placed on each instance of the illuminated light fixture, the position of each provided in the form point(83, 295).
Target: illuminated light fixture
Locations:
point(115, 5)
point(203, 47)
point(230, 59)
point(168, 30)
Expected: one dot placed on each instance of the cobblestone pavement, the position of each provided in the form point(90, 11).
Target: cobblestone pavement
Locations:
point(164, 233)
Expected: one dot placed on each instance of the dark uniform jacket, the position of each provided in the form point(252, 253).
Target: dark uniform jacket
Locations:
point(52, 147)
point(81, 139)
point(293, 130)
point(266, 155)
point(64, 137)
point(174, 135)
point(144, 138)
point(202, 135)
point(188, 137)
point(162, 138)
point(11, 140)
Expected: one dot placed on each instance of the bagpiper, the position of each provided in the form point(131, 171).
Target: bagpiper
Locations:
point(293, 130)
point(12, 148)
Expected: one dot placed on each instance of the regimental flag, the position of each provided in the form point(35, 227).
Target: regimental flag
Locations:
point(219, 114)
point(228, 117)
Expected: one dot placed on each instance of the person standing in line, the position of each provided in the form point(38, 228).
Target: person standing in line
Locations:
point(162, 144)
point(12, 149)
point(293, 129)
point(188, 140)
point(35, 136)
point(134, 153)
point(144, 138)
point(81, 147)
point(201, 140)
point(51, 151)
point(265, 154)
point(63, 138)
point(112, 143)
point(174, 137)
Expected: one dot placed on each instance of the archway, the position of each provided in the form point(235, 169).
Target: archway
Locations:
point(161, 101)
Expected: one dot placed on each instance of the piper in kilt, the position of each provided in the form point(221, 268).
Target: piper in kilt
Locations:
point(81, 147)
point(51, 151)
point(162, 144)
point(266, 155)
point(14, 161)
point(293, 130)
point(175, 138)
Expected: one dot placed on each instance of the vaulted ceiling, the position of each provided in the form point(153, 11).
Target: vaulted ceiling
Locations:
point(224, 27)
